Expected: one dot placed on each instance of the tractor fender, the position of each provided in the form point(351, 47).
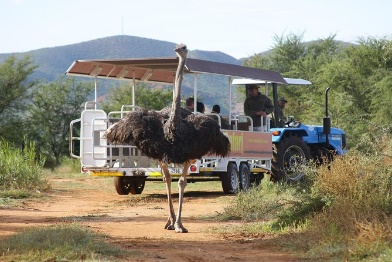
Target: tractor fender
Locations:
point(287, 132)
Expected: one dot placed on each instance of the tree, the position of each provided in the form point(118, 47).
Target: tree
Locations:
point(15, 89)
point(145, 96)
point(286, 51)
point(54, 106)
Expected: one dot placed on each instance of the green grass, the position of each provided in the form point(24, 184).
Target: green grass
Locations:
point(64, 242)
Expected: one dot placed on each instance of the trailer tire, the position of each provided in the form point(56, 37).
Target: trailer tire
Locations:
point(137, 186)
point(244, 175)
point(230, 179)
point(288, 157)
point(125, 185)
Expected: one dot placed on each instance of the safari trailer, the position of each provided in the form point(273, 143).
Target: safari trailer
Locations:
point(251, 152)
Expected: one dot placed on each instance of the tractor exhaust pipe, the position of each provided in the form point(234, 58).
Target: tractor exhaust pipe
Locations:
point(326, 119)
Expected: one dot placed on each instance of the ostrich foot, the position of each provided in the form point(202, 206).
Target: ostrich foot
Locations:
point(169, 224)
point(180, 228)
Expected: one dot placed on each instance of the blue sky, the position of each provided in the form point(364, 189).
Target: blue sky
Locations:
point(239, 28)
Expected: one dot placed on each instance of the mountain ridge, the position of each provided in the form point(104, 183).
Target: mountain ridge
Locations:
point(53, 61)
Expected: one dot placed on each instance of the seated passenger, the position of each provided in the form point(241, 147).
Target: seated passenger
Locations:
point(200, 107)
point(224, 123)
point(189, 104)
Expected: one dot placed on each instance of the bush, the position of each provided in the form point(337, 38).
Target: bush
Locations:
point(358, 217)
point(20, 169)
point(344, 209)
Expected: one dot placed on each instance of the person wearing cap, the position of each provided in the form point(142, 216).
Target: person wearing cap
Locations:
point(279, 117)
point(257, 105)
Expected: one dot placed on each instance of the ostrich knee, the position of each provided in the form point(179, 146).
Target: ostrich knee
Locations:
point(182, 183)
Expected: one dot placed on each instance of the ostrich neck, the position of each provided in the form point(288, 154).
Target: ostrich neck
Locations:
point(177, 85)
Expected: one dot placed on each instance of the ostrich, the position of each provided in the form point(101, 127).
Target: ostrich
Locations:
point(172, 135)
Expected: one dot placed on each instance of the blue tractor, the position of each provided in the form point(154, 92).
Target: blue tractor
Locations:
point(296, 143)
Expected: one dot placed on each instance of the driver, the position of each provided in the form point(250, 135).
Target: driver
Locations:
point(279, 117)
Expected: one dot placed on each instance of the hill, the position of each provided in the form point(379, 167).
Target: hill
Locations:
point(54, 61)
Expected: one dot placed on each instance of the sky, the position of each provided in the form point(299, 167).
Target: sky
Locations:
point(240, 28)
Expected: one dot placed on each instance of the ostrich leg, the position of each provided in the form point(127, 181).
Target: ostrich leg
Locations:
point(181, 188)
point(167, 178)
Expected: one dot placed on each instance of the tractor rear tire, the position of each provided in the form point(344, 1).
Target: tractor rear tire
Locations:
point(289, 158)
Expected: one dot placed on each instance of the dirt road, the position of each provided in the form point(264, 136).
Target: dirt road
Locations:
point(136, 222)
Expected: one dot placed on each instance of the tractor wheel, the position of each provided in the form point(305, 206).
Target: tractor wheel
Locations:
point(230, 180)
point(125, 185)
point(244, 176)
point(289, 158)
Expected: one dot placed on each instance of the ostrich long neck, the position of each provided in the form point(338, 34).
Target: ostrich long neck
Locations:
point(177, 86)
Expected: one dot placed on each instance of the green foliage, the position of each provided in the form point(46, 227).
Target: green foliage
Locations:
point(15, 91)
point(287, 50)
point(146, 97)
point(64, 242)
point(56, 104)
point(20, 169)
point(381, 101)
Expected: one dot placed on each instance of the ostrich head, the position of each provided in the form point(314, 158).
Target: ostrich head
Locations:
point(181, 51)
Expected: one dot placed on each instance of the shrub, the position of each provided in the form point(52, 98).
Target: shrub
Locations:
point(20, 169)
point(345, 206)
point(358, 217)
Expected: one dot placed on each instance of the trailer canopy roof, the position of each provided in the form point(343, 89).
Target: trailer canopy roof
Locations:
point(163, 69)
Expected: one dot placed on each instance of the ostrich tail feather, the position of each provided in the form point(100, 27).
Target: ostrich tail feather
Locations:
point(222, 146)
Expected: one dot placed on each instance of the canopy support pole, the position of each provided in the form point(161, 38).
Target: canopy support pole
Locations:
point(133, 90)
point(230, 95)
point(95, 92)
point(194, 93)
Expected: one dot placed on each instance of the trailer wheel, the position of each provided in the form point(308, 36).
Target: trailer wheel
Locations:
point(125, 185)
point(137, 186)
point(230, 179)
point(289, 158)
point(244, 177)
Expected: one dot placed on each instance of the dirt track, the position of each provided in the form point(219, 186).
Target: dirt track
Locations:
point(136, 223)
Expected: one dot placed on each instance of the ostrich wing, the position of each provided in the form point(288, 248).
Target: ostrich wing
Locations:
point(193, 137)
